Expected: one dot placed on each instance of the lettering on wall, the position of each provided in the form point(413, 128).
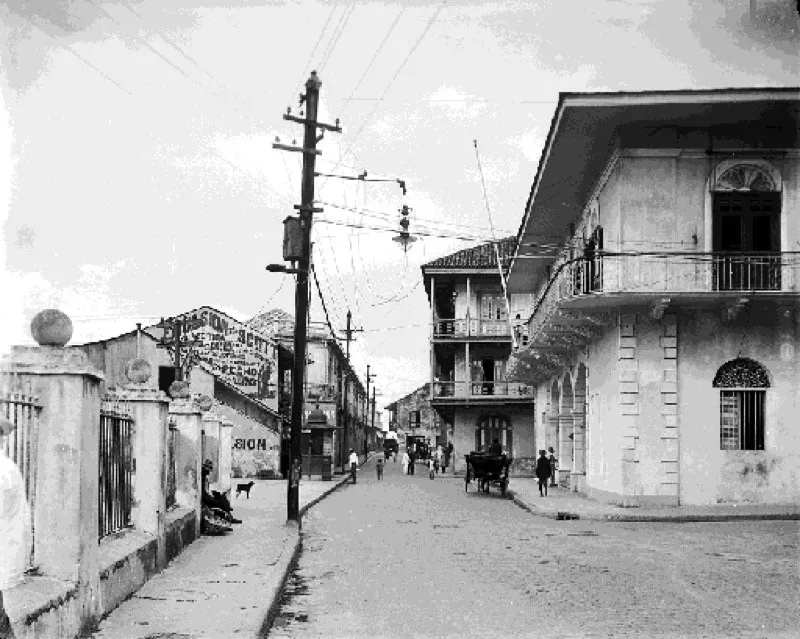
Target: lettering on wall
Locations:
point(252, 444)
point(236, 354)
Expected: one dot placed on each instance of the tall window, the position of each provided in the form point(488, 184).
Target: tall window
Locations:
point(414, 419)
point(493, 427)
point(741, 404)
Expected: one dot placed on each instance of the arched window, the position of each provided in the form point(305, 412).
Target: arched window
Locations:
point(491, 427)
point(741, 404)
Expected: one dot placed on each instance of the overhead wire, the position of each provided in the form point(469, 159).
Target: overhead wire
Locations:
point(337, 34)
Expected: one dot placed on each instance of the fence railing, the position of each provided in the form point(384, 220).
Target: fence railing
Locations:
point(481, 390)
point(116, 468)
point(21, 407)
point(471, 328)
point(172, 436)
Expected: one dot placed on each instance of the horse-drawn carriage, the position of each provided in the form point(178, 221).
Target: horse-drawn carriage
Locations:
point(486, 469)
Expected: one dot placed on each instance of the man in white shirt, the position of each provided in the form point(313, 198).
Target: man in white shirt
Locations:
point(15, 528)
point(353, 464)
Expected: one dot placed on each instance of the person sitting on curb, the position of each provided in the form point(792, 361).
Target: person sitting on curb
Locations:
point(217, 510)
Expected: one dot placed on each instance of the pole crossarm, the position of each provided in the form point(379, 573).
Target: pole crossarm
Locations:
point(296, 149)
point(335, 128)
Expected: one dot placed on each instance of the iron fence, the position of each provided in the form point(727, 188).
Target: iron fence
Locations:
point(116, 468)
point(20, 406)
point(171, 461)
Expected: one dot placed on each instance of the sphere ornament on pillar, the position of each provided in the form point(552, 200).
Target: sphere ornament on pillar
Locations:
point(204, 402)
point(179, 390)
point(51, 327)
point(138, 370)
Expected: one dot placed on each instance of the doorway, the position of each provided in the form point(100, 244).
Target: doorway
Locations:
point(746, 241)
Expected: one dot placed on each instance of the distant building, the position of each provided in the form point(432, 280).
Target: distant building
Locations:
point(412, 418)
point(331, 384)
point(229, 363)
point(471, 341)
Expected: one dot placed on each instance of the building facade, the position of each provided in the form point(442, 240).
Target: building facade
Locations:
point(331, 384)
point(470, 342)
point(234, 367)
point(662, 339)
point(413, 418)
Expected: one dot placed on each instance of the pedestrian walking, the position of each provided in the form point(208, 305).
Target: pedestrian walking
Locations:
point(553, 466)
point(543, 471)
point(404, 461)
point(15, 528)
point(353, 464)
point(412, 458)
point(431, 467)
point(379, 468)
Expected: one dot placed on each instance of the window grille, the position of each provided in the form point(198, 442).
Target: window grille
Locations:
point(491, 428)
point(116, 466)
point(742, 404)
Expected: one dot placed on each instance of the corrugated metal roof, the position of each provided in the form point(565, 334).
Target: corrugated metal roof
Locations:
point(477, 257)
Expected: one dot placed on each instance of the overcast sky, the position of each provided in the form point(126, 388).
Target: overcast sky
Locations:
point(138, 135)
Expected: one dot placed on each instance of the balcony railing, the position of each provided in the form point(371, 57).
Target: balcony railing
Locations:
point(481, 390)
point(457, 328)
point(686, 273)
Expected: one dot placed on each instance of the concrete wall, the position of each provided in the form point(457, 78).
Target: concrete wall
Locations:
point(711, 475)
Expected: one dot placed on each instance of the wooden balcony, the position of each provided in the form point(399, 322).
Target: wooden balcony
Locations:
point(481, 392)
point(470, 328)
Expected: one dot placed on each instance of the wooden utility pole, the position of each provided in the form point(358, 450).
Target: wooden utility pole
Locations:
point(348, 332)
point(366, 407)
point(174, 331)
point(306, 208)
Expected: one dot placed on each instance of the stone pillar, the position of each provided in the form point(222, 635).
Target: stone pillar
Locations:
point(66, 507)
point(210, 450)
point(225, 456)
point(564, 450)
point(149, 408)
point(186, 415)
point(578, 476)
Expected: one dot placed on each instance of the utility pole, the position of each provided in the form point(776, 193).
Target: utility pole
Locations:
point(174, 331)
point(373, 411)
point(366, 407)
point(343, 448)
point(306, 208)
point(348, 332)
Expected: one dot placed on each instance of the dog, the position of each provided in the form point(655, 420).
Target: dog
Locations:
point(244, 488)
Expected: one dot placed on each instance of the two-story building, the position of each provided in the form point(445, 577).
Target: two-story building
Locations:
point(663, 338)
point(472, 322)
point(331, 385)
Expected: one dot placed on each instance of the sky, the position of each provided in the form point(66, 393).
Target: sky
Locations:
point(138, 178)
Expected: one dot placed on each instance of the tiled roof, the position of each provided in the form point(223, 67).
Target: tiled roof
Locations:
point(481, 256)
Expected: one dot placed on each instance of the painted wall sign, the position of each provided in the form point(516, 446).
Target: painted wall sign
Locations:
point(237, 354)
point(251, 444)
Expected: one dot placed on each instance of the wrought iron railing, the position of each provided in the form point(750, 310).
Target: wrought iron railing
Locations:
point(172, 437)
point(665, 273)
point(116, 468)
point(21, 407)
point(481, 390)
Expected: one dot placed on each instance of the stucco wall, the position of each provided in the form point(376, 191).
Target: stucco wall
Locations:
point(711, 475)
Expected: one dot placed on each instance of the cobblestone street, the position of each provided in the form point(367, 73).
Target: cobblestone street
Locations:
point(413, 557)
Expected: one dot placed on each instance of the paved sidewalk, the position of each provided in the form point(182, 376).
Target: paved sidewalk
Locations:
point(225, 586)
point(562, 504)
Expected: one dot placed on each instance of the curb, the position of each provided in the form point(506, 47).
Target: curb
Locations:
point(675, 519)
point(272, 610)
